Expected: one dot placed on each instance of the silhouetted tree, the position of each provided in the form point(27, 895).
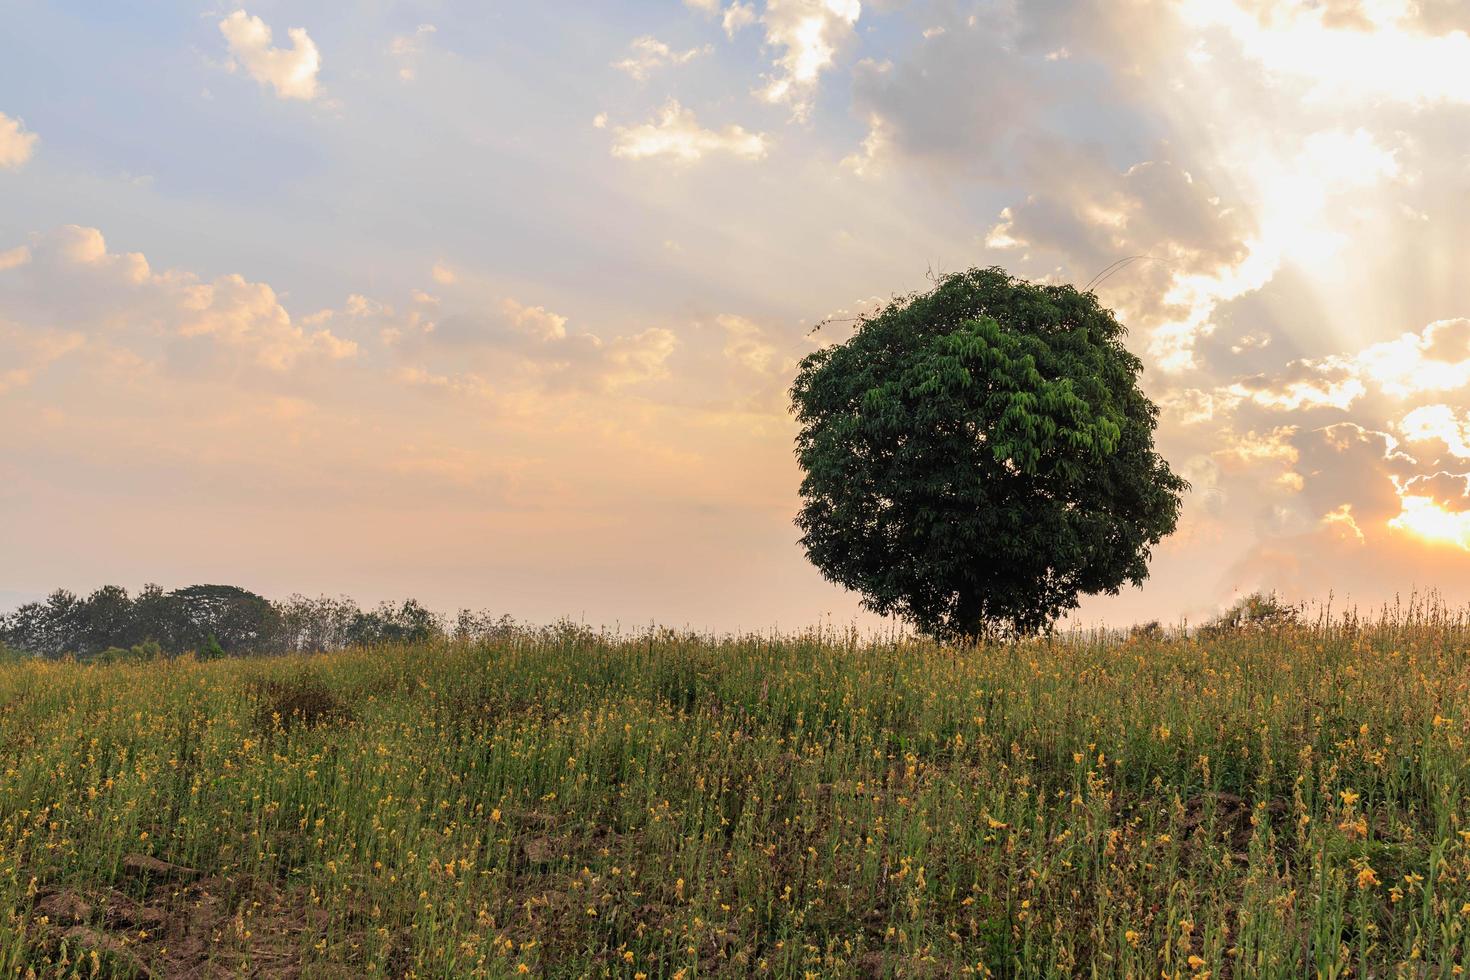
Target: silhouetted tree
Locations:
point(408, 622)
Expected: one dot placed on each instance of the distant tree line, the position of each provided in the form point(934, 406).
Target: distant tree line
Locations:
point(222, 620)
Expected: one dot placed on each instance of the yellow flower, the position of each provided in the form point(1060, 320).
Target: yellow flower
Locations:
point(522, 968)
point(1367, 878)
point(1348, 797)
point(1195, 962)
point(1133, 938)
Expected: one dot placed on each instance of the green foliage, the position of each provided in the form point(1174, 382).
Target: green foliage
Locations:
point(978, 456)
point(211, 650)
point(220, 620)
point(234, 619)
point(408, 622)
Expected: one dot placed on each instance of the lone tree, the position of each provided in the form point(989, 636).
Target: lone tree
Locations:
point(978, 456)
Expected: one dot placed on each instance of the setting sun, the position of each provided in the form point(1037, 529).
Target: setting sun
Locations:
point(1426, 519)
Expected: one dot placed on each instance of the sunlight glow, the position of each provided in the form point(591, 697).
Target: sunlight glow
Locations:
point(1295, 39)
point(1426, 519)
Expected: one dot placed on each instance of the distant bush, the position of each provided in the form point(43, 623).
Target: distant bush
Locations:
point(143, 652)
point(1152, 631)
point(1257, 611)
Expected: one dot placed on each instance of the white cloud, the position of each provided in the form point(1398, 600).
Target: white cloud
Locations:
point(809, 33)
point(677, 135)
point(737, 17)
point(1332, 56)
point(1438, 423)
point(648, 54)
point(71, 278)
point(290, 71)
point(16, 145)
point(1293, 396)
point(247, 315)
point(876, 146)
point(1435, 359)
point(536, 320)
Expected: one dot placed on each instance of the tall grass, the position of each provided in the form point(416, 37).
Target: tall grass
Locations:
point(1286, 802)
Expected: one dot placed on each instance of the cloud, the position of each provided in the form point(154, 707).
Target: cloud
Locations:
point(1448, 491)
point(1326, 46)
point(956, 102)
point(16, 145)
point(1329, 383)
point(13, 258)
point(290, 71)
point(736, 15)
point(1251, 448)
point(746, 344)
point(247, 315)
point(677, 135)
point(408, 48)
point(1438, 424)
point(118, 300)
point(536, 321)
point(25, 353)
point(649, 54)
point(1435, 359)
point(809, 34)
point(525, 348)
point(1156, 238)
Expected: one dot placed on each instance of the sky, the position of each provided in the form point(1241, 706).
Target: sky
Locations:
point(496, 304)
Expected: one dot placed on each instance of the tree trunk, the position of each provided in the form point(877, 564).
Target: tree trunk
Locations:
point(969, 619)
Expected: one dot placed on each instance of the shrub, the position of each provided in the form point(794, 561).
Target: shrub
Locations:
point(301, 700)
point(1257, 611)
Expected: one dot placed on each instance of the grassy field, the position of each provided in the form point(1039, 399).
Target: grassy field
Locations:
point(1279, 803)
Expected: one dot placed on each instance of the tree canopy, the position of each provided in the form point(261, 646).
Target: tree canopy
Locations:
point(218, 620)
point(978, 456)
